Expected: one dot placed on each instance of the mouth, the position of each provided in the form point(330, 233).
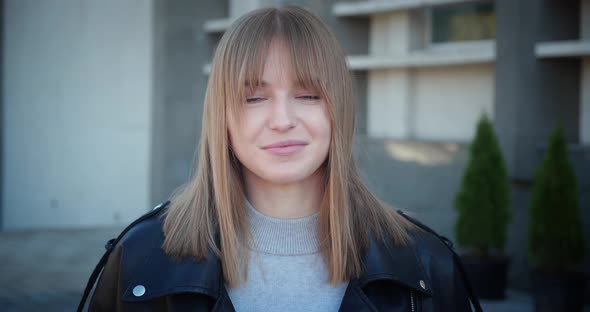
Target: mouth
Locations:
point(285, 148)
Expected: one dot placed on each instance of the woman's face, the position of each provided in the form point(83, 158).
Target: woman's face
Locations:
point(284, 133)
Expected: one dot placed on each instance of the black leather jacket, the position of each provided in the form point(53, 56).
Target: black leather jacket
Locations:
point(139, 276)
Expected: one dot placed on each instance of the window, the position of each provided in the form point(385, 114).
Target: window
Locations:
point(463, 22)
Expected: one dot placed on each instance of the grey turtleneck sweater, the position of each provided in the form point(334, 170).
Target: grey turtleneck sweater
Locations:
point(286, 271)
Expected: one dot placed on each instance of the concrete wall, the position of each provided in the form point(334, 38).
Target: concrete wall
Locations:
point(1, 111)
point(390, 34)
point(76, 115)
point(388, 94)
point(421, 178)
point(585, 76)
point(181, 49)
point(585, 103)
point(580, 158)
point(449, 101)
point(530, 101)
point(585, 19)
point(424, 103)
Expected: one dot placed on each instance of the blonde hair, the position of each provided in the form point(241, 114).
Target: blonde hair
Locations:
point(208, 212)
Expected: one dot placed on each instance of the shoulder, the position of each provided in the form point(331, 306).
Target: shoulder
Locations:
point(425, 257)
point(434, 251)
point(136, 270)
point(426, 234)
point(144, 231)
point(426, 265)
point(123, 255)
point(133, 245)
point(442, 266)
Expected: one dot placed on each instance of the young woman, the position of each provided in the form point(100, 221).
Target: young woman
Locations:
point(276, 217)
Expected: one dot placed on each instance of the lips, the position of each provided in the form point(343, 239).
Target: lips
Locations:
point(285, 148)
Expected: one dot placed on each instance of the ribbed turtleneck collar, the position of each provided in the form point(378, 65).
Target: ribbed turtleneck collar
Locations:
point(286, 237)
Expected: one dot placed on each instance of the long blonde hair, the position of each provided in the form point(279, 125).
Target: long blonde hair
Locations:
point(208, 212)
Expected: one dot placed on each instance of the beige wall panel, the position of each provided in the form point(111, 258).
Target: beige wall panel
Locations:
point(449, 100)
point(389, 34)
point(387, 103)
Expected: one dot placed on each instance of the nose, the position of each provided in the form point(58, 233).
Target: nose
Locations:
point(282, 117)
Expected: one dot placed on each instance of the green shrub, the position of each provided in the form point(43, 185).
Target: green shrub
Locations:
point(556, 240)
point(483, 202)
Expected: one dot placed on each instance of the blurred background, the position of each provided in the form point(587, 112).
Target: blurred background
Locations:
point(101, 105)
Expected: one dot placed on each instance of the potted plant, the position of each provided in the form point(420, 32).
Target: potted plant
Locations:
point(483, 206)
point(556, 240)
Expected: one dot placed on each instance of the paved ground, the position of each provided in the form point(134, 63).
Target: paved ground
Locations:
point(48, 270)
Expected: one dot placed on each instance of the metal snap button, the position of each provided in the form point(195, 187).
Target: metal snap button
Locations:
point(138, 290)
point(422, 284)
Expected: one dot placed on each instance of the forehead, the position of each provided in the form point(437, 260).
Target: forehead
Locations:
point(277, 68)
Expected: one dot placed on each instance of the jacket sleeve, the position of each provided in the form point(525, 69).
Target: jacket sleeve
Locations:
point(106, 296)
point(453, 288)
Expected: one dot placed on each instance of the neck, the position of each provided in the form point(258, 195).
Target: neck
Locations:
point(286, 201)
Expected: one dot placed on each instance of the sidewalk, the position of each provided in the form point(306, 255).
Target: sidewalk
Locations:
point(516, 301)
point(48, 270)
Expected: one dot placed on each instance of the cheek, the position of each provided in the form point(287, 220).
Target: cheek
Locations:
point(236, 136)
point(232, 131)
point(251, 122)
point(243, 135)
point(320, 129)
point(321, 126)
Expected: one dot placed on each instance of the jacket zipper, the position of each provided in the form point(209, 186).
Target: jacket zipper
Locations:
point(412, 301)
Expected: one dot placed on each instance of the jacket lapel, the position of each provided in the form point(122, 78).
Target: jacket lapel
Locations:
point(398, 264)
point(355, 299)
point(159, 275)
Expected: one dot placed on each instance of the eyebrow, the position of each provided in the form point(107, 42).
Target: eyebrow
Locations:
point(264, 84)
point(256, 83)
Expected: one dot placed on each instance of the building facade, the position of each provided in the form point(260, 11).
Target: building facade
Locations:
point(102, 101)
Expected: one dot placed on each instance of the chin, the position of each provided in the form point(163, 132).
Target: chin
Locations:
point(293, 175)
point(283, 178)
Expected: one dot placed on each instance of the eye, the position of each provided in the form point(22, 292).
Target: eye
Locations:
point(309, 97)
point(252, 100)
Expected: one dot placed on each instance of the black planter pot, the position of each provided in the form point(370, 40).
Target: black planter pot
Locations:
point(487, 275)
point(558, 291)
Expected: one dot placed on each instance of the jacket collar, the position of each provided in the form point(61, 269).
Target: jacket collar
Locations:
point(396, 263)
point(161, 275)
